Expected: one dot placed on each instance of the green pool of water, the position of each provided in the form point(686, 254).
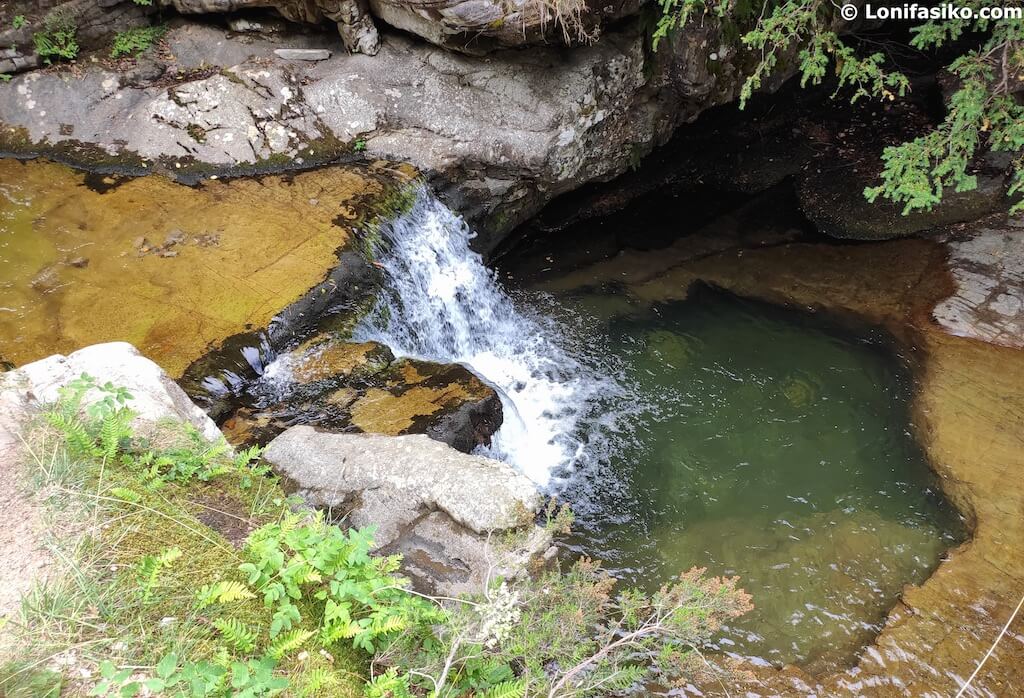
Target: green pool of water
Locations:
point(773, 446)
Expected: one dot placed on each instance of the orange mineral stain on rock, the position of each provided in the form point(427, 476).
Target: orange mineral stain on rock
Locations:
point(416, 389)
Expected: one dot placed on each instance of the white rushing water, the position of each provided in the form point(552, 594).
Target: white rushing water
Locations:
point(443, 304)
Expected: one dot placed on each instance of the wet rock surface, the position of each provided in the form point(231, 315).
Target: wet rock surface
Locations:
point(437, 506)
point(350, 387)
point(987, 264)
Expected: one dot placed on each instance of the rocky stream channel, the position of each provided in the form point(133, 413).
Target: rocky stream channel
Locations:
point(482, 268)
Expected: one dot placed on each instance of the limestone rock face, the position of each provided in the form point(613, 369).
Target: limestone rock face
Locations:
point(433, 504)
point(987, 265)
point(355, 25)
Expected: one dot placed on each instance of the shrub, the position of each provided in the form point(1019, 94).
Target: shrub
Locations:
point(564, 633)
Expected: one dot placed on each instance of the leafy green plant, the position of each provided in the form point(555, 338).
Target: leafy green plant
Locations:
point(983, 113)
point(316, 568)
point(98, 430)
point(254, 678)
point(150, 568)
point(6, 77)
point(359, 145)
point(133, 42)
point(19, 21)
point(58, 40)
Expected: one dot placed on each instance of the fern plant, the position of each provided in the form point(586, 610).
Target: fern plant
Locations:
point(58, 40)
point(352, 595)
point(100, 430)
point(238, 636)
point(135, 41)
point(150, 568)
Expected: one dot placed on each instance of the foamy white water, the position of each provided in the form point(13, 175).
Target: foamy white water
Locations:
point(442, 304)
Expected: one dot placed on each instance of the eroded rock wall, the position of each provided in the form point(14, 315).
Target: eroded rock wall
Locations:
point(500, 136)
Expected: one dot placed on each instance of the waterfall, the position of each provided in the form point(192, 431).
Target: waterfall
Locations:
point(442, 304)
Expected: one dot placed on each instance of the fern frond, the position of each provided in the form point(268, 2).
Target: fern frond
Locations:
point(390, 624)
point(508, 689)
point(222, 592)
point(113, 428)
point(289, 642)
point(150, 568)
point(236, 634)
point(125, 494)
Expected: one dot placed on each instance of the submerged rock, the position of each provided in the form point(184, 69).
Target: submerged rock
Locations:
point(435, 505)
point(178, 270)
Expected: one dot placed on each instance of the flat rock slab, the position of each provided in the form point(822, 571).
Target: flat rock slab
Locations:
point(302, 54)
point(330, 470)
point(988, 304)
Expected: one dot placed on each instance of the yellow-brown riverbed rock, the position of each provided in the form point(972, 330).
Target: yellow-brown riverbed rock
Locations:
point(168, 267)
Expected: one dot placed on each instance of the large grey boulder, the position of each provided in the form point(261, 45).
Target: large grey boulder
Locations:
point(435, 505)
point(155, 397)
point(329, 469)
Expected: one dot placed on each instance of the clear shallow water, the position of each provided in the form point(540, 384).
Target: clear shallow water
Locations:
point(771, 446)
